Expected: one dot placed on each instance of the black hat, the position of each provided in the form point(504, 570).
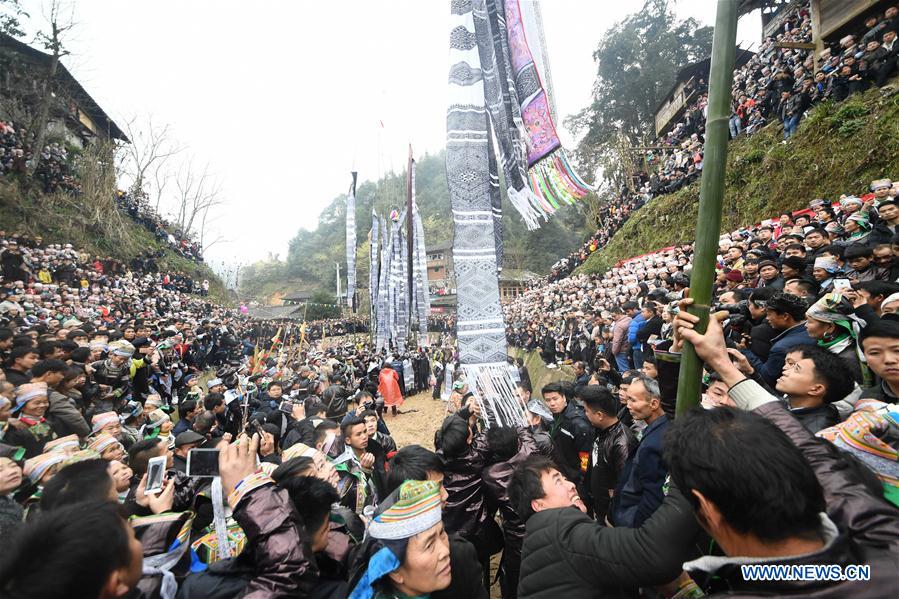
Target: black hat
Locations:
point(16, 454)
point(188, 437)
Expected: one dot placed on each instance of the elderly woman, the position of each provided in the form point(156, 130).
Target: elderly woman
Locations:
point(410, 551)
point(857, 228)
point(34, 428)
point(831, 322)
point(109, 448)
point(890, 305)
point(159, 425)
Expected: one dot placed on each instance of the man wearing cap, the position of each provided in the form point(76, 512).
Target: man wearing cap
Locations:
point(539, 422)
point(184, 442)
point(114, 375)
point(769, 275)
point(786, 315)
point(215, 386)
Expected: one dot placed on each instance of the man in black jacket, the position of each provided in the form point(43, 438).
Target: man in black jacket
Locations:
point(614, 444)
point(572, 435)
point(464, 453)
point(761, 334)
point(567, 554)
point(335, 398)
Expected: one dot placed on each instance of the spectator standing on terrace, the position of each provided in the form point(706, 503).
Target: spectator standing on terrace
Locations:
point(620, 344)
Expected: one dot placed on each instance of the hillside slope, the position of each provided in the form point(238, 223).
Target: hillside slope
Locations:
point(838, 149)
point(60, 218)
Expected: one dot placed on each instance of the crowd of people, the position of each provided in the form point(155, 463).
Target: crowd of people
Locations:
point(615, 214)
point(780, 84)
point(54, 171)
point(139, 209)
point(108, 383)
point(776, 85)
point(153, 444)
point(113, 393)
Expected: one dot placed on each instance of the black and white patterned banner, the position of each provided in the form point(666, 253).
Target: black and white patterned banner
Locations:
point(373, 263)
point(351, 245)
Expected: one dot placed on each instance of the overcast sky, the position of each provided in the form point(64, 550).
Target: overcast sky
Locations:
point(284, 98)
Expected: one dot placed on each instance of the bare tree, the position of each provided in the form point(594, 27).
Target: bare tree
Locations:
point(204, 243)
point(144, 159)
point(53, 43)
point(197, 193)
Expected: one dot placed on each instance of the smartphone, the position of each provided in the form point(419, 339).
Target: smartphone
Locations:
point(155, 474)
point(286, 406)
point(842, 284)
point(203, 462)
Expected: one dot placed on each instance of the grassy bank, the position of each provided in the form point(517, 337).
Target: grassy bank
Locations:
point(58, 218)
point(838, 148)
point(540, 374)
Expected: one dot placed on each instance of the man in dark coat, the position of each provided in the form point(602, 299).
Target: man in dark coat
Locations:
point(639, 492)
point(613, 446)
point(464, 451)
point(572, 435)
point(508, 448)
point(568, 554)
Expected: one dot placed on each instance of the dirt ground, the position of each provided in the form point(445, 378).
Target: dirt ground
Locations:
point(419, 421)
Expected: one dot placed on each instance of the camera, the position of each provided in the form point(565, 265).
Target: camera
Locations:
point(739, 320)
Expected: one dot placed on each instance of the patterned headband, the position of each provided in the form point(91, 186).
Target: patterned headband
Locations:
point(100, 421)
point(102, 442)
point(36, 467)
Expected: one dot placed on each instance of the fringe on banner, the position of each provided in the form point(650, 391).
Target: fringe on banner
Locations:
point(494, 386)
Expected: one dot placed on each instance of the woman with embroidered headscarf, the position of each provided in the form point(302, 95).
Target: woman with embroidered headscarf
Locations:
point(832, 323)
point(850, 205)
point(158, 425)
point(857, 228)
point(409, 554)
point(36, 429)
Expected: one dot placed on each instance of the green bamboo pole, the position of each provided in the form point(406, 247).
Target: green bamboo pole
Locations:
point(711, 194)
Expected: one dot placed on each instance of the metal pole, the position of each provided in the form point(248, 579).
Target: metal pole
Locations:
point(711, 194)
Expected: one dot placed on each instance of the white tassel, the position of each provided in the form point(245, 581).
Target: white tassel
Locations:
point(525, 206)
point(494, 387)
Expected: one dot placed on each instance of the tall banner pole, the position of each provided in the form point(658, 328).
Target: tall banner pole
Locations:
point(711, 195)
point(410, 232)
